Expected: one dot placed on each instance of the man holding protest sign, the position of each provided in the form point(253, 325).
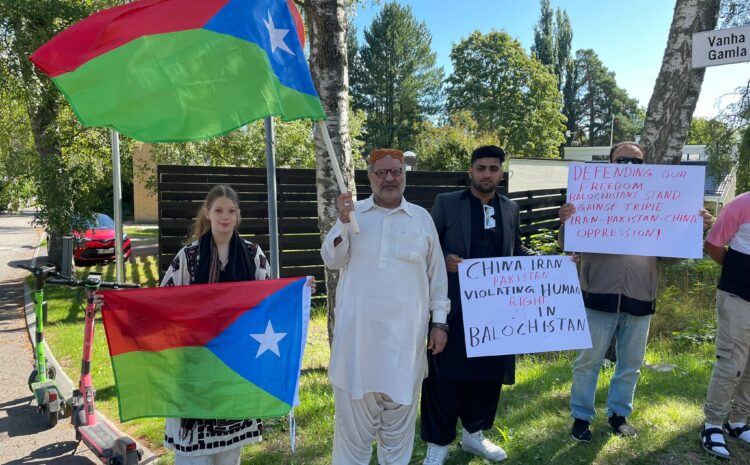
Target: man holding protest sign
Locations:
point(619, 292)
point(729, 389)
point(392, 278)
point(474, 223)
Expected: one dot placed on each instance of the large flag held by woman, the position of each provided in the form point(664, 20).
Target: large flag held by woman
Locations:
point(229, 350)
point(179, 70)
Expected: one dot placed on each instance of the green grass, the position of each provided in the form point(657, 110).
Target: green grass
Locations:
point(141, 233)
point(533, 421)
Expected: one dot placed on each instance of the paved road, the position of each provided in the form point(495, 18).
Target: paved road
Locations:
point(25, 437)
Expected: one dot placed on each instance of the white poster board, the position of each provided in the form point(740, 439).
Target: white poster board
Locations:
point(520, 305)
point(651, 210)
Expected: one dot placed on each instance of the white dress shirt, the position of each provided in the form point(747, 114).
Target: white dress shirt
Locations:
point(392, 276)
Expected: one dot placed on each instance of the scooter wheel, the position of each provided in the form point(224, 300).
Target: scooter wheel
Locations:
point(51, 419)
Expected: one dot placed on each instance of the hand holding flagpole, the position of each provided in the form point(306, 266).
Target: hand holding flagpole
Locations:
point(337, 171)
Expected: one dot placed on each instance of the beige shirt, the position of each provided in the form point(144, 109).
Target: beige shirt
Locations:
point(392, 276)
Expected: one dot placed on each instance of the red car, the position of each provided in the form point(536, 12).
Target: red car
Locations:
point(97, 243)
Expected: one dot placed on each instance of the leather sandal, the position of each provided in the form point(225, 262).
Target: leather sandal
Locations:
point(710, 446)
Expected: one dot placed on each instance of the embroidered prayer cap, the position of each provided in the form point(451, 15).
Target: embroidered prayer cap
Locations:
point(377, 154)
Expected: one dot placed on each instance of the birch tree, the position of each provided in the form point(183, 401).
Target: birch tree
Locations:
point(678, 85)
point(327, 24)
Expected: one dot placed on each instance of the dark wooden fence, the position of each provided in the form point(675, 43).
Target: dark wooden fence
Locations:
point(181, 189)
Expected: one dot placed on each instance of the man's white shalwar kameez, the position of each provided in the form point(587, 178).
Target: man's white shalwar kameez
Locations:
point(392, 276)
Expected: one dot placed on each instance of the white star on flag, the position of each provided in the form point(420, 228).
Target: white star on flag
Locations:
point(268, 340)
point(277, 36)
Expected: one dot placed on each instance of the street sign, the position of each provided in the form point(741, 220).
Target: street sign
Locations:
point(721, 47)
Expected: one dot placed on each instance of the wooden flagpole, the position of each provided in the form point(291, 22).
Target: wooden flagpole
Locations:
point(337, 171)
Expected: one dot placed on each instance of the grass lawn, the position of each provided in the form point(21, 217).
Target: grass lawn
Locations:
point(141, 233)
point(533, 420)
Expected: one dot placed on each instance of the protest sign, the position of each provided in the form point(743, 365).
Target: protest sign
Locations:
point(651, 210)
point(518, 305)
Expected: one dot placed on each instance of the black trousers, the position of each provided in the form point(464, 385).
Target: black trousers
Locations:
point(444, 401)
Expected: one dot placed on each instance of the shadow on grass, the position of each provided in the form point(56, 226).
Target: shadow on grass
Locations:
point(105, 393)
point(320, 370)
point(685, 449)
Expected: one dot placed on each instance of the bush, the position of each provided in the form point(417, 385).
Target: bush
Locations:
point(685, 301)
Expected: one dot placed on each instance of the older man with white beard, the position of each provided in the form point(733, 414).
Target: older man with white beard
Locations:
point(392, 282)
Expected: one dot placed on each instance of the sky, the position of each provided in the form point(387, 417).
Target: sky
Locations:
point(629, 36)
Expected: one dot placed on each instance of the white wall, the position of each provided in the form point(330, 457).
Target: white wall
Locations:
point(601, 153)
point(537, 173)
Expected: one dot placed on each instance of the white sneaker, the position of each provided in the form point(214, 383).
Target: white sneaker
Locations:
point(477, 444)
point(436, 455)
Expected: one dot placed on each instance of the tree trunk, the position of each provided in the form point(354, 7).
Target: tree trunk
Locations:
point(330, 72)
point(43, 119)
point(678, 85)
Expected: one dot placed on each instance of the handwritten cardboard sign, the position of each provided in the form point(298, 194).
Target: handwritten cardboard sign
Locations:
point(519, 305)
point(651, 210)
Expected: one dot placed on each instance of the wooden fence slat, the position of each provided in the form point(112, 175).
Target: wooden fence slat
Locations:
point(181, 189)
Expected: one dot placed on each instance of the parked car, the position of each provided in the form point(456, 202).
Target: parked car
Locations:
point(97, 243)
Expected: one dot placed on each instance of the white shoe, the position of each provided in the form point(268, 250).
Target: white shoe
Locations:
point(436, 455)
point(477, 444)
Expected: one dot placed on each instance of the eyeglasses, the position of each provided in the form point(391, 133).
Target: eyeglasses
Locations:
point(633, 160)
point(395, 172)
point(489, 221)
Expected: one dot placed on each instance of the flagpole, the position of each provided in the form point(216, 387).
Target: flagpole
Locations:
point(117, 200)
point(337, 171)
point(273, 221)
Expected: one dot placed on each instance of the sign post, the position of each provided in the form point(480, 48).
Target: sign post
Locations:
point(721, 47)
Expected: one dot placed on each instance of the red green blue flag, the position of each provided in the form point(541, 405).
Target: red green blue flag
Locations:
point(179, 70)
point(226, 350)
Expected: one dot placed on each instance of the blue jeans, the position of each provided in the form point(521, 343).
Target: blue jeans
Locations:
point(631, 333)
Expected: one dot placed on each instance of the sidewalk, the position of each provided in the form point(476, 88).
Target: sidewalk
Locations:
point(25, 437)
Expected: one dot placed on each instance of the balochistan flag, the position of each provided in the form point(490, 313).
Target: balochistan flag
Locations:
point(227, 350)
point(179, 70)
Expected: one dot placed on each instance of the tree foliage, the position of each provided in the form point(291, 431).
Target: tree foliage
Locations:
point(563, 45)
point(448, 147)
point(508, 93)
point(734, 13)
point(720, 141)
point(598, 100)
point(544, 48)
point(394, 78)
point(247, 147)
point(69, 167)
point(553, 37)
point(17, 155)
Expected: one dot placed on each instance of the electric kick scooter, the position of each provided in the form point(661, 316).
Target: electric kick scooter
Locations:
point(110, 446)
point(42, 383)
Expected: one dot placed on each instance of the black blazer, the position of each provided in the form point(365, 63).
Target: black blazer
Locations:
point(452, 216)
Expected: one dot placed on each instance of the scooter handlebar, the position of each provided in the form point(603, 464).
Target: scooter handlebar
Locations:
point(111, 285)
point(64, 281)
point(50, 270)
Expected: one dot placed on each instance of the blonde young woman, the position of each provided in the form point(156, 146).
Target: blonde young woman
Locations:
point(216, 253)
